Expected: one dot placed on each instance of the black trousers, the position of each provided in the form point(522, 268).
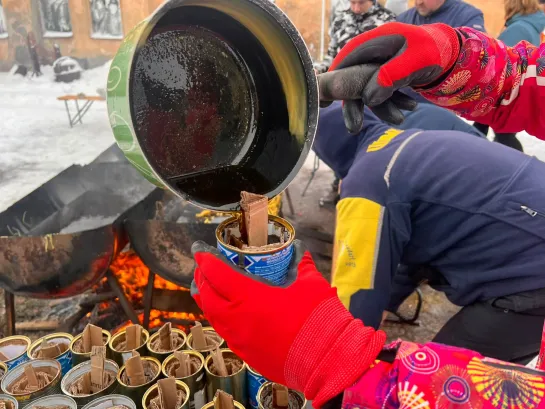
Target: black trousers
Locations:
point(507, 328)
point(507, 139)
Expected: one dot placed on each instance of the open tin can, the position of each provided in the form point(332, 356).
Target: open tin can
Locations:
point(207, 330)
point(79, 357)
point(254, 382)
point(53, 401)
point(270, 264)
point(9, 399)
point(234, 384)
point(137, 392)
point(65, 358)
point(153, 392)
point(110, 401)
point(14, 379)
point(78, 371)
point(15, 349)
point(264, 398)
point(121, 356)
point(161, 356)
point(196, 382)
point(3, 370)
point(210, 405)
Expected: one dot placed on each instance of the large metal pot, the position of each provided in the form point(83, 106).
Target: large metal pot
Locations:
point(211, 97)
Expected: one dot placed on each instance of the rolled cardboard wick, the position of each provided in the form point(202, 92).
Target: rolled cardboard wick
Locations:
point(280, 396)
point(133, 336)
point(165, 336)
point(135, 370)
point(199, 341)
point(98, 355)
point(184, 369)
point(219, 362)
point(168, 394)
point(223, 400)
point(255, 219)
point(31, 377)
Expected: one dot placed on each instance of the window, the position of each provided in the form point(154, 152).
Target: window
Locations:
point(56, 18)
point(106, 19)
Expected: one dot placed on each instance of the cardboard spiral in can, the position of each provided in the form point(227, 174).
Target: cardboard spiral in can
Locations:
point(196, 382)
point(54, 346)
point(295, 399)
point(80, 357)
point(13, 350)
point(111, 401)
point(234, 384)
point(137, 392)
point(16, 375)
point(271, 264)
point(153, 392)
point(10, 399)
point(121, 356)
point(161, 356)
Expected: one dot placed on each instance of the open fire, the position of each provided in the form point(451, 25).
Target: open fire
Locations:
point(132, 274)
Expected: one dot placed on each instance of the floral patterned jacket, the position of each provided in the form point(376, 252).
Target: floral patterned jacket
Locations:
point(496, 85)
point(435, 376)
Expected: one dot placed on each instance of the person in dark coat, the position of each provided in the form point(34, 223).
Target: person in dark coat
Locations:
point(455, 13)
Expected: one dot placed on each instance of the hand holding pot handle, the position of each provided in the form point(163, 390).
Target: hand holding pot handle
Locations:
point(299, 334)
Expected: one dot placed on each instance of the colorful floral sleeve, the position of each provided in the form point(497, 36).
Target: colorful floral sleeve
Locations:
point(497, 85)
point(435, 376)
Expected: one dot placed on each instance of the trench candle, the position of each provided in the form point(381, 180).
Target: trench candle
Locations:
point(265, 398)
point(271, 261)
point(194, 377)
point(235, 381)
point(153, 392)
point(54, 346)
point(13, 350)
point(53, 402)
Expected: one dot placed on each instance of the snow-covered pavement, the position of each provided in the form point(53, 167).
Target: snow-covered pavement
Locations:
point(36, 141)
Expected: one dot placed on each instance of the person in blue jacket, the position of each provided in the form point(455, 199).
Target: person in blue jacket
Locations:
point(463, 214)
point(455, 13)
point(524, 21)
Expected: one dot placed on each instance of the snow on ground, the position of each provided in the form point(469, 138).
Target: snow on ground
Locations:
point(36, 141)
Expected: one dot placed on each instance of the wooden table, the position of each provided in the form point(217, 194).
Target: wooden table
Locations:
point(80, 112)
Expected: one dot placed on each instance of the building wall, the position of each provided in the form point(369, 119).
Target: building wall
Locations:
point(23, 16)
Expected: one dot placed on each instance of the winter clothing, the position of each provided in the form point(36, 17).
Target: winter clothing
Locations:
point(281, 325)
point(524, 28)
point(455, 13)
point(347, 25)
point(486, 81)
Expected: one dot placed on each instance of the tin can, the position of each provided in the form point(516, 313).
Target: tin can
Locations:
point(210, 405)
point(161, 356)
point(78, 371)
point(11, 399)
point(3, 370)
point(80, 357)
point(137, 392)
point(266, 390)
point(116, 400)
point(27, 398)
point(52, 401)
point(65, 358)
point(121, 357)
point(205, 351)
point(195, 382)
point(270, 264)
point(254, 382)
point(152, 393)
point(234, 385)
point(15, 349)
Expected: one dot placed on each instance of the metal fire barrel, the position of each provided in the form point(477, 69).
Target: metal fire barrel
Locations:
point(196, 382)
point(209, 98)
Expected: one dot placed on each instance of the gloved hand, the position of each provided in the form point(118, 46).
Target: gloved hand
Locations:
point(374, 65)
point(299, 335)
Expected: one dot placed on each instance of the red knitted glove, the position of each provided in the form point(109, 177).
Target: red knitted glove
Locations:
point(299, 335)
point(374, 65)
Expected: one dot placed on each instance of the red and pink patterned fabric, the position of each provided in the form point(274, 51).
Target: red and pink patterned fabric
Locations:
point(495, 84)
point(435, 376)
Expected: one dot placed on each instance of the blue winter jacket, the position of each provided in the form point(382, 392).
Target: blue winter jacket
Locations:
point(472, 210)
point(455, 13)
point(528, 28)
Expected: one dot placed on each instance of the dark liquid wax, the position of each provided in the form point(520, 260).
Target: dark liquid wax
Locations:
point(209, 108)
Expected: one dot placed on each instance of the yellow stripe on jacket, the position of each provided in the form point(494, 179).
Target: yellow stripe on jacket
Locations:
point(359, 225)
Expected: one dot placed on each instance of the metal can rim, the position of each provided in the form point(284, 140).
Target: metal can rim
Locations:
point(79, 336)
point(48, 337)
point(116, 336)
point(190, 337)
point(11, 399)
point(73, 404)
point(209, 357)
point(144, 358)
point(186, 351)
point(260, 390)
point(272, 218)
point(52, 362)
point(110, 397)
point(64, 389)
point(17, 337)
point(176, 330)
point(178, 383)
point(238, 405)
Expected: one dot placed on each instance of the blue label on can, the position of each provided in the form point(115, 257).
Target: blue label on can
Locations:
point(17, 361)
point(254, 381)
point(66, 361)
point(272, 266)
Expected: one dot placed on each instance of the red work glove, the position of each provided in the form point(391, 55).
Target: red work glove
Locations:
point(299, 335)
point(374, 65)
